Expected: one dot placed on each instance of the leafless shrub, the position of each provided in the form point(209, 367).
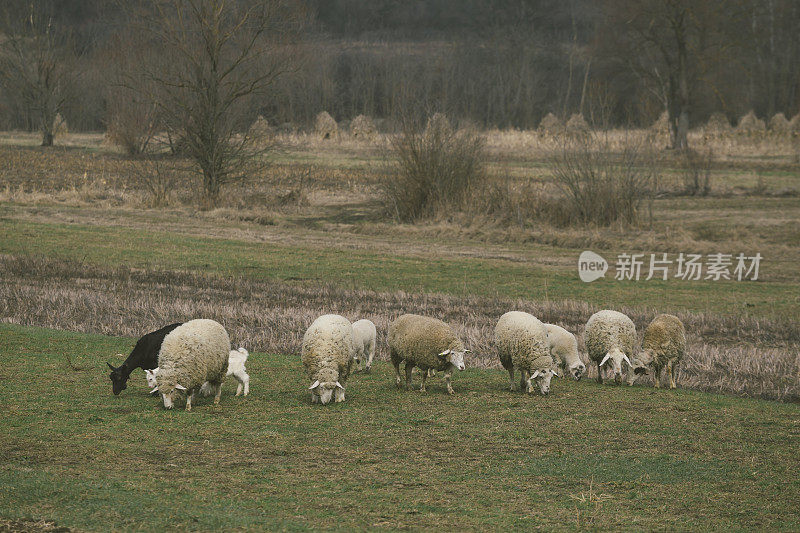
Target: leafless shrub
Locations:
point(604, 187)
point(433, 171)
point(507, 202)
point(158, 178)
point(438, 125)
point(697, 172)
point(725, 353)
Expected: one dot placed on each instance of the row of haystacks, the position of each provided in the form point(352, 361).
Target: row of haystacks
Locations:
point(325, 127)
point(552, 126)
point(752, 126)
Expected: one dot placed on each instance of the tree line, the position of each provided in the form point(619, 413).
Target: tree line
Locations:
point(504, 63)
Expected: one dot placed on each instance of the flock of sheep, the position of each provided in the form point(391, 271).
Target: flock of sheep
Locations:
point(183, 359)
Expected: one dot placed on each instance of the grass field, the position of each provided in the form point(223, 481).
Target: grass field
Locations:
point(87, 265)
point(587, 456)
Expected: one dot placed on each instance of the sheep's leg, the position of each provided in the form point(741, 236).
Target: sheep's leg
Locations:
point(673, 383)
point(409, 380)
point(599, 374)
point(526, 380)
point(217, 392)
point(447, 376)
point(511, 378)
point(189, 398)
point(424, 377)
point(396, 362)
point(244, 382)
point(338, 395)
point(371, 356)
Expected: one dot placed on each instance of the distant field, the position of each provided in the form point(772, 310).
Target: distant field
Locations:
point(586, 457)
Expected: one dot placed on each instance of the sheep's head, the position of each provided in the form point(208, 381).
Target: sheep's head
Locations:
point(640, 365)
point(577, 370)
point(453, 357)
point(119, 381)
point(170, 394)
point(150, 375)
point(542, 377)
point(324, 392)
point(613, 360)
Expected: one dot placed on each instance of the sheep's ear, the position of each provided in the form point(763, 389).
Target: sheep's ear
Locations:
point(110, 366)
point(314, 385)
point(444, 354)
point(606, 358)
point(535, 374)
point(556, 374)
point(180, 387)
point(467, 351)
point(339, 385)
point(625, 357)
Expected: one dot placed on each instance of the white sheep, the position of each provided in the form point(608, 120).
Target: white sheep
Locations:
point(564, 349)
point(521, 341)
point(191, 354)
point(610, 338)
point(663, 346)
point(427, 343)
point(364, 337)
point(327, 354)
point(236, 361)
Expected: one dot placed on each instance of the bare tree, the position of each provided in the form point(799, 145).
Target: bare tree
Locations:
point(670, 44)
point(36, 64)
point(213, 56)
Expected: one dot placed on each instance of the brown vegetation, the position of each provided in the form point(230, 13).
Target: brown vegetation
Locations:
point(740, 355)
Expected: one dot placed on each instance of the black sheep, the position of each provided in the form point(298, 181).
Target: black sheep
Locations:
point(144, 356)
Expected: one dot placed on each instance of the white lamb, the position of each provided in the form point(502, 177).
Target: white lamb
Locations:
point(564, 349)
point(364, 334)
point(236, 361)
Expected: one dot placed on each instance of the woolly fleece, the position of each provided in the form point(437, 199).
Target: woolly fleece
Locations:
point(521, 341)
point(563, 346)
point(364, 334)
point(665, 339)
point(607, 330)
point(192, 354)
point(420, 339)
point(328, 349)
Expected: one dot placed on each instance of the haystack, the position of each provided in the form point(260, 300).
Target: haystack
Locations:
point(794, 125)
point(750, 124)
point(717, 125)
point(260, 132)
point(551, 125)
point(60, 126)
point(326, 126)
point(779, 125)
point(576, 125)
point(363, 127)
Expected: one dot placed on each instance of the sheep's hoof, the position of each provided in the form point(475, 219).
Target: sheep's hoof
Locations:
point(423, 389)
point(450, 391)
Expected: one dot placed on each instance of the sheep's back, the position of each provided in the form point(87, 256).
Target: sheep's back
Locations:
point(328, 344)
point(521, 338)
point(665, 336)
point(420, 339)
point(195, 352)
point(606, 330)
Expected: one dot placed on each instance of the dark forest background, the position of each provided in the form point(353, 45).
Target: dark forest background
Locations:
point(498, 63)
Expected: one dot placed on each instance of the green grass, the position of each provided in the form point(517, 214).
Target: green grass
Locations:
point(452, 274)
point(587, 456)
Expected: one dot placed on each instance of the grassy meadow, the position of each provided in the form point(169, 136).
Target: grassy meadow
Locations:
point(88, 263)
point(586, 457)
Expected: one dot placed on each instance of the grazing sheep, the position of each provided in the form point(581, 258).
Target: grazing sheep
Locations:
point(190, 355)
point(427, 343)
point(610, 337)
point(364, 335)
point(327, 354)
point(144, 356)
point(521, 341)
point(663, 346)
point(236, 361)
point(564, 349)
